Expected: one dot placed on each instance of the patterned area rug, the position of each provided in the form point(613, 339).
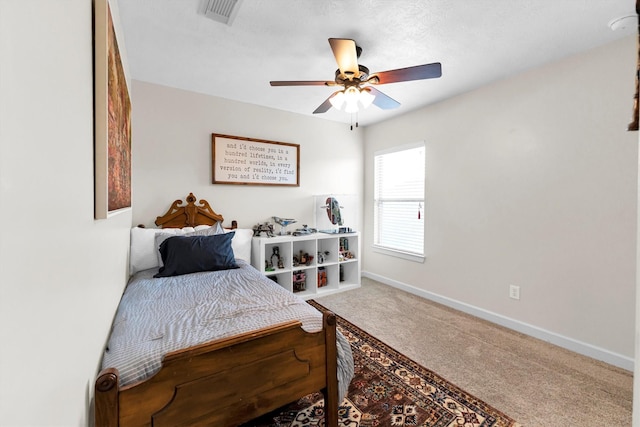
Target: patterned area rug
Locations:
point(389, 389)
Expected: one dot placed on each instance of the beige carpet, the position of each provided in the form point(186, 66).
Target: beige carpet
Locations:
point(536, 383)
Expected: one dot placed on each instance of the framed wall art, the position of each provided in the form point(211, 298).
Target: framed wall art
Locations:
point(112, 121)
point(635, 123)
point(248, 161)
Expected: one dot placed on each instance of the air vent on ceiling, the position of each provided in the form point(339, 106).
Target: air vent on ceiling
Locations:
point(224, 11)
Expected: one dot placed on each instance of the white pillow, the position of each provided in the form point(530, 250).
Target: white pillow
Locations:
point(241, 243)
point(144, 253)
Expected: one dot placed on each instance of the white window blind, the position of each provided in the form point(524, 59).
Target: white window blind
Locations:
point(399, 200)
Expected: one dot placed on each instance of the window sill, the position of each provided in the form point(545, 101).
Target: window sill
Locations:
point(399, 254)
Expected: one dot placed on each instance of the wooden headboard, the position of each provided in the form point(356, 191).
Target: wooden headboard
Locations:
point(190, 215)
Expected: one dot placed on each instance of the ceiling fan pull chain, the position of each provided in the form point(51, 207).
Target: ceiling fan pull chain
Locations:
point(352, 120)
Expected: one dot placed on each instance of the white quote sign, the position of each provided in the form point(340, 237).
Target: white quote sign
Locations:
point(239, 160)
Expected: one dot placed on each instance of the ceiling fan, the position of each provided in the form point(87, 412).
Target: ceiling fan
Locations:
point(356, 81)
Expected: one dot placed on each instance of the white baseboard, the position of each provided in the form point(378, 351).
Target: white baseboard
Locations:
point(571, 344)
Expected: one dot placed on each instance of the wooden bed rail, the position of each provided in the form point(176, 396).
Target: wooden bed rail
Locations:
point(331, 390)
point(106, 398)
point(215, 383)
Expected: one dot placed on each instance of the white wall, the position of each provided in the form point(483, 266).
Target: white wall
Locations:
point(61, 272)
point(636, 371)
point(530, 181)
point(172, 156)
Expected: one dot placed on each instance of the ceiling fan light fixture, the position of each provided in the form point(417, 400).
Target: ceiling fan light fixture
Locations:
point(337, 100)
point(365, 97)
point(351, 95)
point(351, 107)
point(351, 98)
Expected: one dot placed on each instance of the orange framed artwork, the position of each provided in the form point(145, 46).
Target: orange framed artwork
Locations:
point(112, 121)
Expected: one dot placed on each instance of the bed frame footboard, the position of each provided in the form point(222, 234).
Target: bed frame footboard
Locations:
point(228, 381)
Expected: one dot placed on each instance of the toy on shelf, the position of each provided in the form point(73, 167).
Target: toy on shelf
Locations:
point(283, 223)
point(274, 261)
point(266, 227)
point(322, 255)
point(322, 277)
point(299, 281)
point(303, 259)
point(304, 231)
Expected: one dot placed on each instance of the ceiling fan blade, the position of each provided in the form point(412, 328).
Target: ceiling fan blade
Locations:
point(302, 83)
point(381, 100)
point(346, 56)
point(325, 106)
point(419, 72)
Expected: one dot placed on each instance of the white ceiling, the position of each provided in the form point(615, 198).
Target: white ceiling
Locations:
point(171, 43)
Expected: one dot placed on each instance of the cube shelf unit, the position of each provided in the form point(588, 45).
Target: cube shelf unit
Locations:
point(335, 257)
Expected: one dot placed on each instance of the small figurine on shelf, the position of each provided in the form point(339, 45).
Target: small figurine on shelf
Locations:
point(268, 266)
point(322, 256)
point(278, 261)
point(345, 255)
point(305, 258)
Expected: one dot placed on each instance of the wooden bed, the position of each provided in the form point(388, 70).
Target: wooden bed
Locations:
point(229, 381)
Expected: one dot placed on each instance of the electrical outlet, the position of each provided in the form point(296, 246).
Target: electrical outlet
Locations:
point(514, 292)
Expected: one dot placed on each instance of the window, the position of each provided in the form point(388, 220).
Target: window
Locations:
point(399, 201)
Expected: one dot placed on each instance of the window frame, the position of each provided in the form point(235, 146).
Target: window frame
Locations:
point(380, 248)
